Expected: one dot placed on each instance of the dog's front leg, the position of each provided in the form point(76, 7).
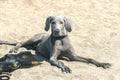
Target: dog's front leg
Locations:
point(60, 64)
point(53, 60)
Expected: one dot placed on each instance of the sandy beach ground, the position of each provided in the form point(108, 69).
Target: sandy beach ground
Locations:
point(96, 34)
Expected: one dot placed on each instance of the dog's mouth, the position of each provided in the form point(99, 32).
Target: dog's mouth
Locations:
point(59, 34)
point(56, 34)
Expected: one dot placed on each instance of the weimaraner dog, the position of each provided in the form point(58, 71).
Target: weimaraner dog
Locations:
point(56, 45)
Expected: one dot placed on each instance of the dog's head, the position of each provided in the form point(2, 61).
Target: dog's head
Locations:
point(60, 25)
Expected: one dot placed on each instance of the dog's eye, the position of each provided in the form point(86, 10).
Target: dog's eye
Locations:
point(53, 23)
point(61, 22)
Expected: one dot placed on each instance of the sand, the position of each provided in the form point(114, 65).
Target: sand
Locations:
point(96, 34)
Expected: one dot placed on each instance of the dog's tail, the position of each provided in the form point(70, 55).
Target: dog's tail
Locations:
point(8, 43)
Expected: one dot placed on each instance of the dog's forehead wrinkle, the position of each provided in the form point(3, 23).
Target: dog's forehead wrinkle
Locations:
point(58, 18)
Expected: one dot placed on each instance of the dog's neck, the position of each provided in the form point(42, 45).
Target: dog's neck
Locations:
point(59, 37)
point(63, 41)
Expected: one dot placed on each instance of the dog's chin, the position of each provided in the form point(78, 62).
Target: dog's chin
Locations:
point(59, 35)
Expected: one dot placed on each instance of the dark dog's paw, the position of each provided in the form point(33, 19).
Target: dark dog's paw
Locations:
point(66, 70)
point(104, 65)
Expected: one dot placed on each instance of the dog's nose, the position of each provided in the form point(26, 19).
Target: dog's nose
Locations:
point(57, 30)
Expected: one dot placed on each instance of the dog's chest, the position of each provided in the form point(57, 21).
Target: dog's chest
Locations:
point(62, 45)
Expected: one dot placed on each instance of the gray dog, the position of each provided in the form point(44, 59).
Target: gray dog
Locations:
point(56, 45)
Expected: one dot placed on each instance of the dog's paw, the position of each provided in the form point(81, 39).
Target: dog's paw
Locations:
point(13, 50)
point(104, 65)
point(1, 42)
point(66, 70)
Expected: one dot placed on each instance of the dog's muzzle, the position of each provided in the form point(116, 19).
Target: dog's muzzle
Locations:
point(57, 31)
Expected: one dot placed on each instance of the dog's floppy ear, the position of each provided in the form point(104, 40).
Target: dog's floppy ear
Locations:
point(68, 24)
point(47, 23)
